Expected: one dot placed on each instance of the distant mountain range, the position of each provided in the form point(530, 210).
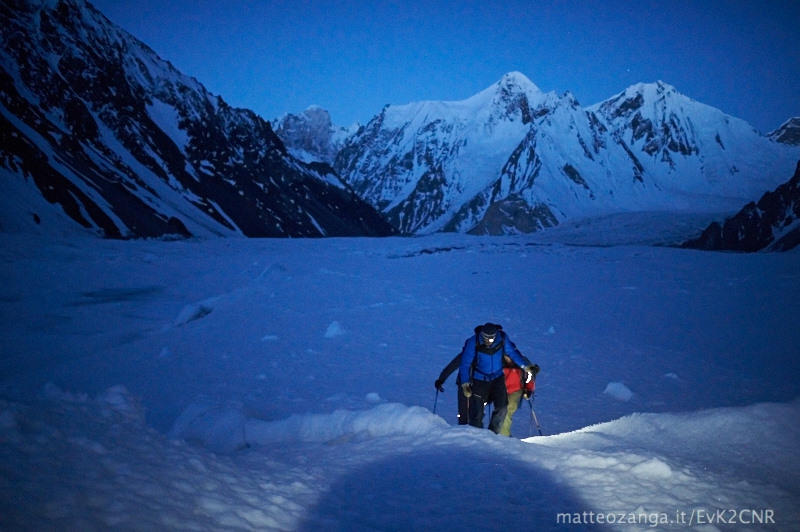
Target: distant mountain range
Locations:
point(100, 133)
point(514, 159)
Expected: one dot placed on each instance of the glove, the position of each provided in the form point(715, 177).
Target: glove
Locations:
point(526, 394)
point(531, 372)
point(438, 384)
point(467, 389)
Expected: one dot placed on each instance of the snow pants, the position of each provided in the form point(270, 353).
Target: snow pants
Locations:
point(513, 404)
point(483, 393)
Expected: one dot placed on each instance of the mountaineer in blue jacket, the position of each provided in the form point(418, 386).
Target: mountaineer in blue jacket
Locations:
point(481, 373)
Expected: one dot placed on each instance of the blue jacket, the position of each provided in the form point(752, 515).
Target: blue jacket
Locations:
point(480, 363)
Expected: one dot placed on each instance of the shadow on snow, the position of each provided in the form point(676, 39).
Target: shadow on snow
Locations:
point(449, 488)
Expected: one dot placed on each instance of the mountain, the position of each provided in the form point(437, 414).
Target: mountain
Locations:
point(99, 132)
point(771, 224)
point(788, 133)
point(436, 162)
point(311, 136)
point(514, 159)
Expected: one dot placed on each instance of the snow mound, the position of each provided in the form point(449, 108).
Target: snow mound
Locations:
point(618, 391)
point(334, 329)
point(195, 311)
point(220, 429)
point(226, 429)
point(652, 469)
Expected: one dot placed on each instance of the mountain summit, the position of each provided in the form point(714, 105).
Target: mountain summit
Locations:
point(311, 136)
point(426, 164)
point(788, 133)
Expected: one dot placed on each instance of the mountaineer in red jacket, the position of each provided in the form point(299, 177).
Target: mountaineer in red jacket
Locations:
point(517, 390)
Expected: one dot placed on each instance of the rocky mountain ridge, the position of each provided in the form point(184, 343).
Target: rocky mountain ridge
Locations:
point(99, 132)
point(770, 224)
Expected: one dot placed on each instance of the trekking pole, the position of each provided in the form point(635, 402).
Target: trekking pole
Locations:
point(436, 400)
point(533, 414)
point(530, 427)
point(530, 421)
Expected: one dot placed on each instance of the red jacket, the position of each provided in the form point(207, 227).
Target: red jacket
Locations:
point(514, 380)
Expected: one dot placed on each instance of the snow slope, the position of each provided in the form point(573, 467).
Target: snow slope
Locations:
point(237, 384)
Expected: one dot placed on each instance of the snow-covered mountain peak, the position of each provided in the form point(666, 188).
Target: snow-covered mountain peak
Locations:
point(511, 98)
point(665, 124)
point(515, 82)
point(788, 133)
point(317, 114)
point(314, 118)
point(642, 98)
point(311, 136)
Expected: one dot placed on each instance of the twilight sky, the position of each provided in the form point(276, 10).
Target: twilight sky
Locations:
point(353, 57)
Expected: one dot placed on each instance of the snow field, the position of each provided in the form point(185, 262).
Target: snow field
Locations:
point(288, 385)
